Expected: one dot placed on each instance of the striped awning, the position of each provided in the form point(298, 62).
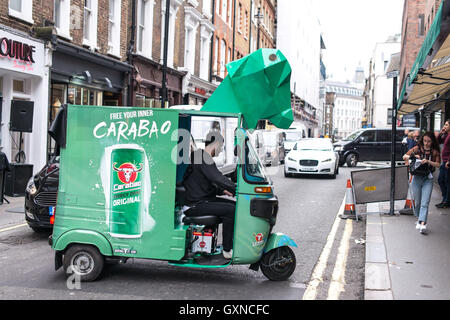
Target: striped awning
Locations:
point(429, 79)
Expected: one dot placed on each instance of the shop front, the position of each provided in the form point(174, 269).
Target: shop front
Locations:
point(24, 78)
point(196, 90)
point(148, 84)
point(79, 76)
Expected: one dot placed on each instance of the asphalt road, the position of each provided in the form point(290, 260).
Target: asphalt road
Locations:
point(308, 210)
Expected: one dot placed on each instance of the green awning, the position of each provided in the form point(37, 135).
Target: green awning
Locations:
point(430, 75)
point(258, 86)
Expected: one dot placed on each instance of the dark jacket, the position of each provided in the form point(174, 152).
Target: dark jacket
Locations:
point(203, 181)
point(4, 163)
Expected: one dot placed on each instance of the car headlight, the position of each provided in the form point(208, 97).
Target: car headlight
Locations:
point(290, 159)
point(31, 187)
point(328, 160)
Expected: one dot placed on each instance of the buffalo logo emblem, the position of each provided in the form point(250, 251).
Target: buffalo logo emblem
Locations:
point(127, 172)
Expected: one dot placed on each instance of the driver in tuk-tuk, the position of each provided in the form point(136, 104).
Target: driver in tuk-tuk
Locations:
point(204, 182)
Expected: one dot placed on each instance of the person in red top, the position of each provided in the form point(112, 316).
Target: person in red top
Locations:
point(444, 170)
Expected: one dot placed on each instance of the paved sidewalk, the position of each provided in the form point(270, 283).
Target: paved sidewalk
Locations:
point(13, 213)
point(402, 264)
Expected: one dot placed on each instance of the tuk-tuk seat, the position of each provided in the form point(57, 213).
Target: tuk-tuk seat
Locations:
point(180, 194)
point(209, 221)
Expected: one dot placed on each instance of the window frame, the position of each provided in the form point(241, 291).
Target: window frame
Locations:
point(25, 14)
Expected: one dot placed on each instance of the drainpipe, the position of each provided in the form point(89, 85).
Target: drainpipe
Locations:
point(234, 29)
point(212, 42)
point(130, 53)
point(164, 97)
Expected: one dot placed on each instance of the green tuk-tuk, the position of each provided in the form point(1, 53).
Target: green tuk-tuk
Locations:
point(121, 196)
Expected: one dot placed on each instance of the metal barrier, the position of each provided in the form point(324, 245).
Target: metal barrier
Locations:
point(374, 185)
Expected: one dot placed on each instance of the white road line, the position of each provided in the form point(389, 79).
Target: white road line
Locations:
point(319, 270)
point(337, 284)
point(13, 227)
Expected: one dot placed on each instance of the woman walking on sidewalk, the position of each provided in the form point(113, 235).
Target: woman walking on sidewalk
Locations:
point(427, 150)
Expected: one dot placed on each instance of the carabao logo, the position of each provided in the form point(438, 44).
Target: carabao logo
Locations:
point(127, 172)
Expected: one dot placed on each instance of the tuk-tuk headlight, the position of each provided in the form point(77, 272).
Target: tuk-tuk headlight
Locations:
point(338, 148)
point(31, 187)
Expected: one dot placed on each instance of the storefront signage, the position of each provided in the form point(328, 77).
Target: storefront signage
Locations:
point(21, 54)
point(16, 50)
point(200, 91)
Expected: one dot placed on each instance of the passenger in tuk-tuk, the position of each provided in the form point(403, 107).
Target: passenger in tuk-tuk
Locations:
point(204, 182)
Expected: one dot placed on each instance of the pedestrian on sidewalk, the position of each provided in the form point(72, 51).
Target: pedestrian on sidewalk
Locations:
point(410, 141)
point(444, 170)
point(427, 150)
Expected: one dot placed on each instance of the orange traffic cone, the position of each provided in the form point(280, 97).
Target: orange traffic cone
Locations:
point(409, 203)
point(349, 209)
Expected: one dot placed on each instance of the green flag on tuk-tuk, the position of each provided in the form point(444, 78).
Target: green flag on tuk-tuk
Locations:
point(258, 86)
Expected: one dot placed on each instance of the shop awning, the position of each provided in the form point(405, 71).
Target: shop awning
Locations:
point(429, 79)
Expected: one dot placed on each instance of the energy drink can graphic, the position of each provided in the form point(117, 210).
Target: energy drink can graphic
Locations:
point(126, 195)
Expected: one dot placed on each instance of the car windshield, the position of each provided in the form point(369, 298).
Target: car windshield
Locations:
point(352, 136)
point(314, 145)
point(293, 136)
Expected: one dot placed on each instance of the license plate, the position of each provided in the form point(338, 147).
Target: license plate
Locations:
point(309, 169)
point(51, 211)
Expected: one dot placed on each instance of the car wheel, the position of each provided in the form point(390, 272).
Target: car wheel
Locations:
point(84, 261)
point(351, 160)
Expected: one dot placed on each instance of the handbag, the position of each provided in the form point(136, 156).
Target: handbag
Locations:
point(416, 168)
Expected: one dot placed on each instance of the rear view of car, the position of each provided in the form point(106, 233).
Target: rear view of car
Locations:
point(312, 156)
point(40, 197)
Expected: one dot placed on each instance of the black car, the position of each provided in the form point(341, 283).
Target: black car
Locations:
point(40, 197)
point(370, 145)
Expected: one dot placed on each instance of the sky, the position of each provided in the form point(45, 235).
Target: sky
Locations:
point(351, 29)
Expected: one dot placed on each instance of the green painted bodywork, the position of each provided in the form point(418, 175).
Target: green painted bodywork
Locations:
point(89, 210)
point(258, 86)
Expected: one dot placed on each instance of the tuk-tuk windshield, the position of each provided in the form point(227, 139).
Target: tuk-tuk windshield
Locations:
point(270, 139)
point(254, 169)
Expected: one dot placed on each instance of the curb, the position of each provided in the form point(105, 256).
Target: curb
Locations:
point(377, 278)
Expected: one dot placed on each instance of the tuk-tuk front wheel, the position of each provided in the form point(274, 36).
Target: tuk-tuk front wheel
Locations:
point(278, 264)
point(83, 261)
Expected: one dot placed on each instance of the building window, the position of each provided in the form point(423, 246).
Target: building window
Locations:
point(145, 27)
point(207, 8)
point(19, 86)
point(239, 18)
point(114, 27)
point(421, 25)
point(22, 10)
point(222, 58)
point(61, 17)
point(90, 23)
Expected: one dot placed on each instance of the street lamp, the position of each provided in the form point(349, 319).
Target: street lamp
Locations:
point(258, 17)
point(394, 75)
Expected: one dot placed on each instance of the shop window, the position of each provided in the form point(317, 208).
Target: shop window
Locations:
point(22, 10)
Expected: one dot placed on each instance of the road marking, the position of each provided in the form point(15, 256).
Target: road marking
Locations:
point(319, 270)
point(14, 227)
point(338, 278)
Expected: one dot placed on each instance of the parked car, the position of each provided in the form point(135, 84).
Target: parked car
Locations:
point(312, 156)
point(273, 147)
point(291, 137)
point(40, 197)
point(370, 145)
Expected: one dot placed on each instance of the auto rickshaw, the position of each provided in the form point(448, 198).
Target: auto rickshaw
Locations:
point(121, 196)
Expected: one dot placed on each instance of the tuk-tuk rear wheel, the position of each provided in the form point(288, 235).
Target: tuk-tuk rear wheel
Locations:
point(278, 264)
point(84, 261)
